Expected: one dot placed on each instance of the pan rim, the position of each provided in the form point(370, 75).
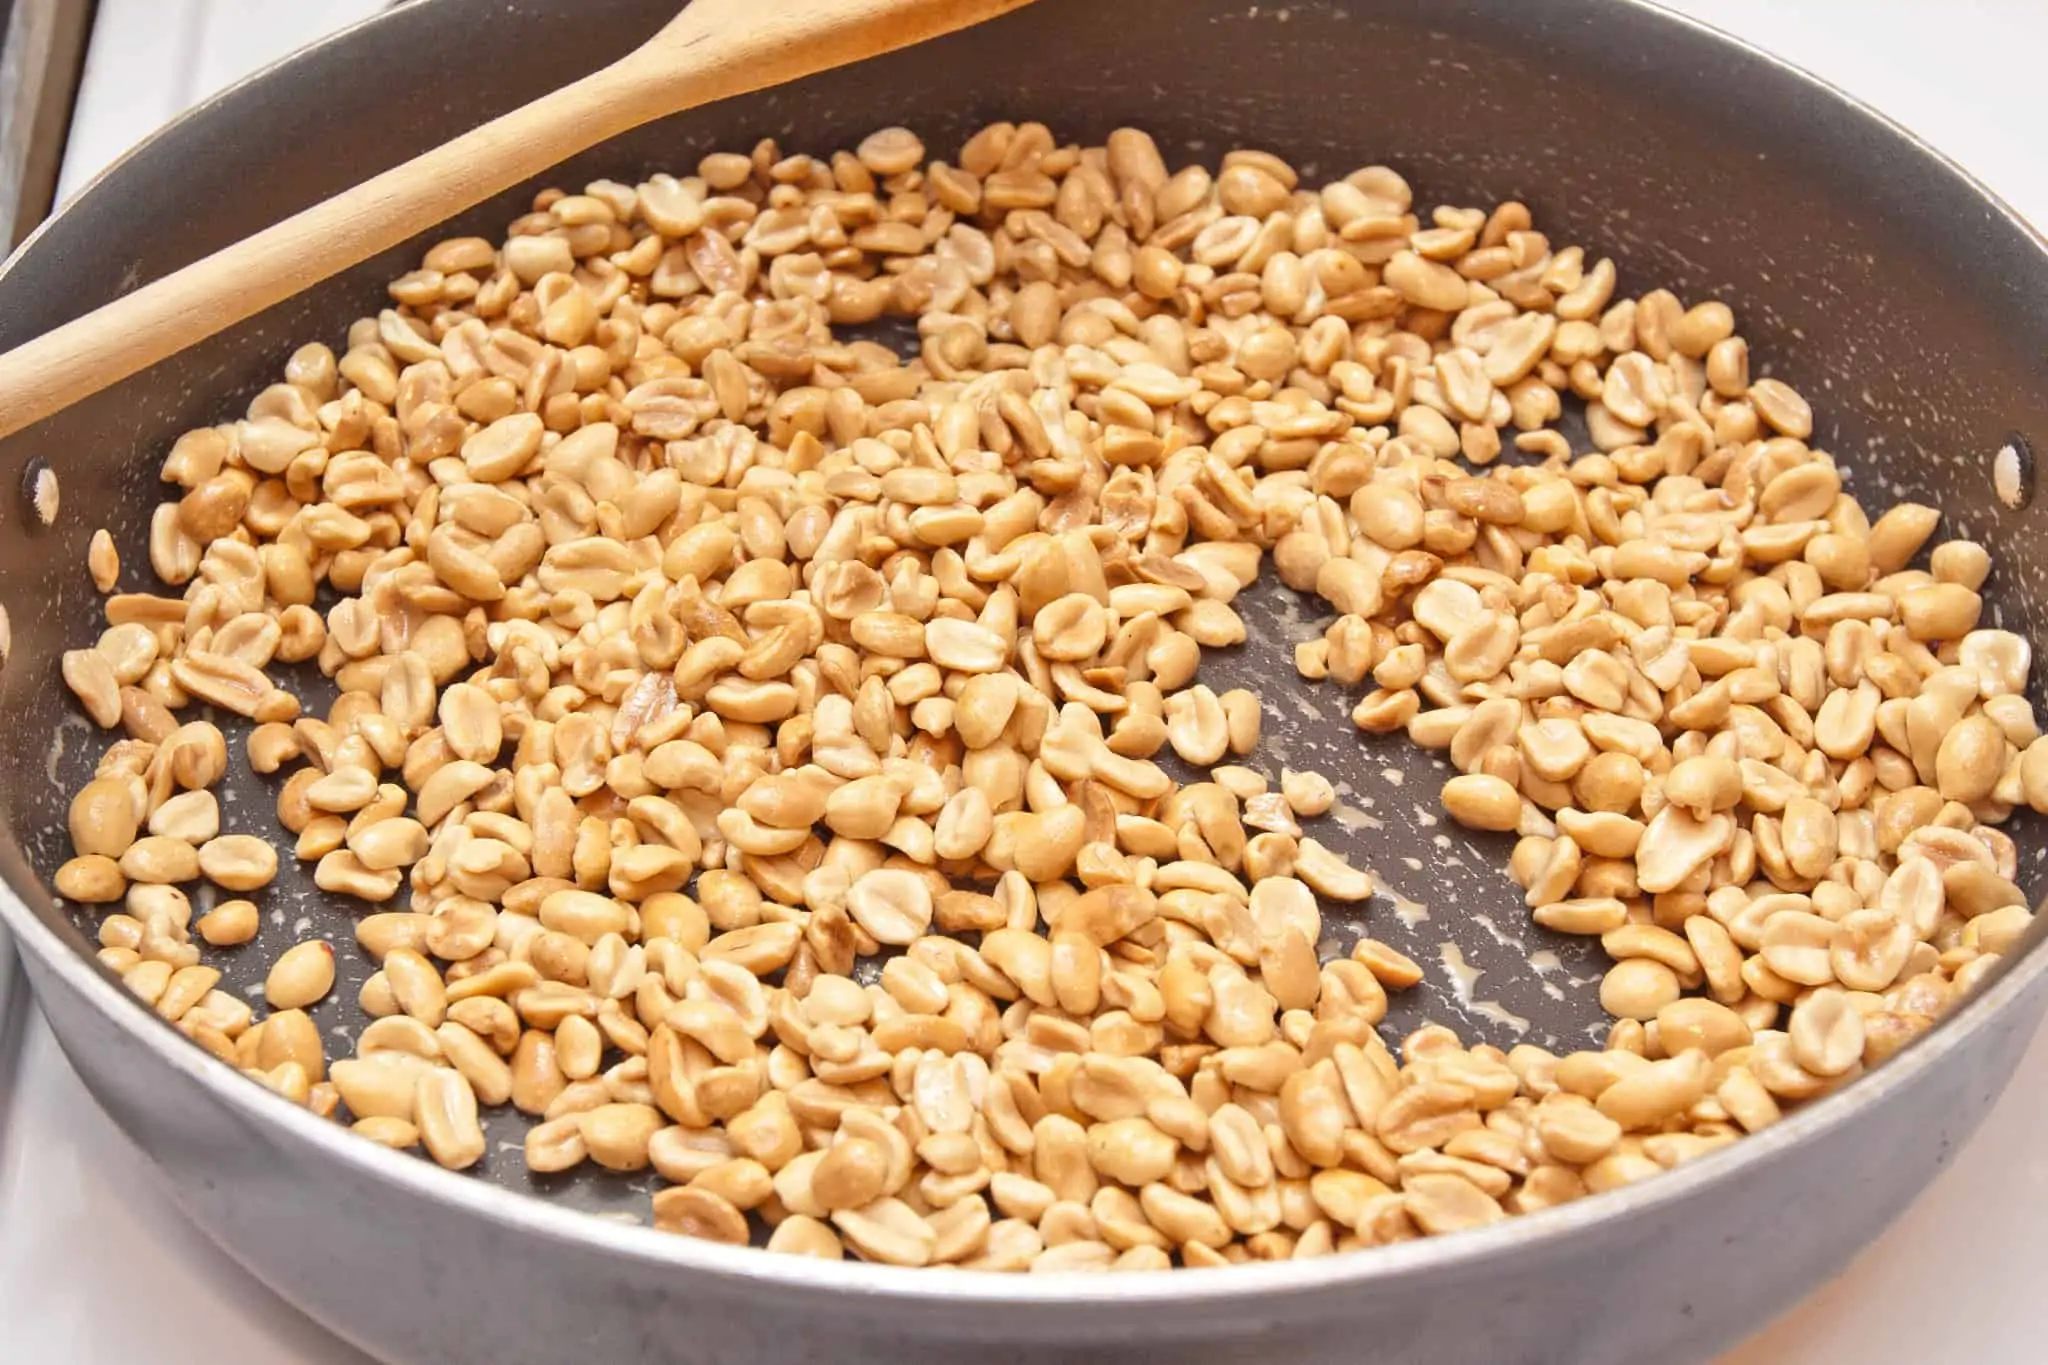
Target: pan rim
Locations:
point(517, 1212)
point(945, 1288)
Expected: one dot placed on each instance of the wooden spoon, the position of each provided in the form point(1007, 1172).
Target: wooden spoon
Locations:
point(713, 49)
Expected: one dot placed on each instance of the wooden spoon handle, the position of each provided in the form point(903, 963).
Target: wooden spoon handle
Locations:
point(712, 50)
point(162, 318)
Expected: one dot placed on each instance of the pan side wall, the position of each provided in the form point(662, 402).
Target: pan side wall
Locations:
point(419, 1283)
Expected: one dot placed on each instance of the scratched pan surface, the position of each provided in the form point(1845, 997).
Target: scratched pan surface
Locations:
point(1904, 302)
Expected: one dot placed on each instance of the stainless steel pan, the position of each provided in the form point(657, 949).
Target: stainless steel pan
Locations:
point(1907, 301)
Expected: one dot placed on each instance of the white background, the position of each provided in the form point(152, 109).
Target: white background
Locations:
point(96, 1268)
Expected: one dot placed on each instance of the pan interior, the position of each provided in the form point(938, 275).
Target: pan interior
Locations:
point(1895, 324)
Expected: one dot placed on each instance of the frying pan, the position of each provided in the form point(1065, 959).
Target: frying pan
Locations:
point(1900, 296)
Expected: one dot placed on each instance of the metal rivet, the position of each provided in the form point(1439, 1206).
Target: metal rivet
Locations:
point(39, 486)
point(2012, 472)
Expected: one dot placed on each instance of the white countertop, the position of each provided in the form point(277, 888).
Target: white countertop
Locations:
point(97, 1268)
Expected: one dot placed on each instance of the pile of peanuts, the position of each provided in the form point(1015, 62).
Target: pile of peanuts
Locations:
point(756, 739)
